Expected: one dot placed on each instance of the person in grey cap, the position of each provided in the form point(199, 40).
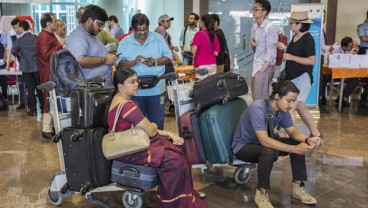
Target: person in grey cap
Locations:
point(164, 23)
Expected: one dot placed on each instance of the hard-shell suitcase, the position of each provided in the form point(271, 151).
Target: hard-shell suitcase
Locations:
point(217, 125)
point(218, 88)
point(89, 106)
point(133, 176)
point(85, 165)
point(189, 130)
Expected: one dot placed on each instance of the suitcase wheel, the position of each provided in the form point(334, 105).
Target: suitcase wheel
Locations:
point(84, 189)
point(55, 197)
point(56, 138)
point(65, 188)
point(131, 200)
point(242, 175)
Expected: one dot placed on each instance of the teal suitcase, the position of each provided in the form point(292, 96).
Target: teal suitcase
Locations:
point(217, 125)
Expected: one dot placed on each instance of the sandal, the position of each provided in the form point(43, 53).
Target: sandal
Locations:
point(201, 194)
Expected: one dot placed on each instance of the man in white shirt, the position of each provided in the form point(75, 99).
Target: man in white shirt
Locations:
point(186, 37)
point(263, 42)
point(12, 36)
point(346, 47)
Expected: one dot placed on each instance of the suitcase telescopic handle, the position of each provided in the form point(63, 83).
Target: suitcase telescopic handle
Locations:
point(129, 171)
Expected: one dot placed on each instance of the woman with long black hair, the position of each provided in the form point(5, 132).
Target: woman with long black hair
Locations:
point(205, 46)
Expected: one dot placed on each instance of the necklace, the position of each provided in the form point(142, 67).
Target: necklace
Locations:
point(124, 96)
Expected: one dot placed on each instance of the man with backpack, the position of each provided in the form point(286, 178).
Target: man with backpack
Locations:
point(263, 42)
point(186, 38)
point(90, 53)
point(46, 45)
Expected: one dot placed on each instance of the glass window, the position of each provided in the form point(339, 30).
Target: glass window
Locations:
point(63, 9)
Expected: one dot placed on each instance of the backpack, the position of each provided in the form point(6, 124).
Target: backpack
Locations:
point(66, 72)
point(279, 52)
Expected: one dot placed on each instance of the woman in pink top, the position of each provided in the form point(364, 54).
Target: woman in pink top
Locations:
point(205, 46)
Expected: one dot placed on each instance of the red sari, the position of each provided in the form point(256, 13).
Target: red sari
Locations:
point(175, 188)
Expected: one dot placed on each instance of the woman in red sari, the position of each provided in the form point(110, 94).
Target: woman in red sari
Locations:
point(175, 188)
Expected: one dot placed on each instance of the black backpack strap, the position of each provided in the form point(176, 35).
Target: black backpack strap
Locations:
point(185, 31)
point(270, 128)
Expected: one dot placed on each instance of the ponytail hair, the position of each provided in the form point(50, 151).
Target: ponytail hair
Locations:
point(209, 24)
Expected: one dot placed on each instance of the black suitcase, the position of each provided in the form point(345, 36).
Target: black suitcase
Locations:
point(133, 176)
point(85, 165)
point(218, 88)
point(89, 107)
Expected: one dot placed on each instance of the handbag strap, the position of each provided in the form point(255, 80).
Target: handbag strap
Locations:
point(118, 111)
point(270, 128)
point(209, 41)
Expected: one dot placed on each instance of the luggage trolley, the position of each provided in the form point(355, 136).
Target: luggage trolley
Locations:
point(183, 104)
point(58, 187)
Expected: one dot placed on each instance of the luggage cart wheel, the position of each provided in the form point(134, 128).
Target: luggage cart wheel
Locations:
point(55, 197)
point(241, 175)
point(65, 188)
point(131, 200)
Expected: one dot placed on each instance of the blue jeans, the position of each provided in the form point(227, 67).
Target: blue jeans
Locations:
point(152, 107)
point(188, 59)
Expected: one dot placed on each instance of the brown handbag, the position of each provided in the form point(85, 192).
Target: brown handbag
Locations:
point(118, 144)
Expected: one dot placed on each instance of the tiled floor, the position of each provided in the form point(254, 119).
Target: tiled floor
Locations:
point(338, 173)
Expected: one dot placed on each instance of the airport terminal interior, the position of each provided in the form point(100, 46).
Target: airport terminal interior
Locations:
point(337, 171)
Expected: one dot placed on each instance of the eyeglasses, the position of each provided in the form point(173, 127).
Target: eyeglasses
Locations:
point(100, 24)
point(144, 30)
point(290, 23)
point(256, 9)
point(133, 81)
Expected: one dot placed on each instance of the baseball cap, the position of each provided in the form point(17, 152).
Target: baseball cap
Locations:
point(165, 17)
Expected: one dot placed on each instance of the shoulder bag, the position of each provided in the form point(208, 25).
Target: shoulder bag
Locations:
point(118, 144)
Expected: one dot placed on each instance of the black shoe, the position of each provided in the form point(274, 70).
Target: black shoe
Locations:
point(322, 100)
point(21, 106)
point(48, 135)
point(30, 113)
point(323, 110)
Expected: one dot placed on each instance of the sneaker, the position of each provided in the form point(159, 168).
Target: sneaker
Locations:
point(262, 200)
point(299, 192)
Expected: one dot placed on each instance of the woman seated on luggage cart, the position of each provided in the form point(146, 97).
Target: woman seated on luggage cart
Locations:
point(252, 142)
point(175, 188)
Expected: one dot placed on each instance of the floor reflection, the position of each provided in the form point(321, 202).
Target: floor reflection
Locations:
point(338, 173)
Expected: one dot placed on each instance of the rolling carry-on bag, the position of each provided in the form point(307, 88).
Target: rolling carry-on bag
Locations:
point(189, 130)
point(217, 126)
point(218, 88)
point(85, 165)
point(89, 107)
point(133, 176)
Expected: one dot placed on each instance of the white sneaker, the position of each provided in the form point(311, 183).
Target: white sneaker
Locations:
point(262, 200)
point(299, 192)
